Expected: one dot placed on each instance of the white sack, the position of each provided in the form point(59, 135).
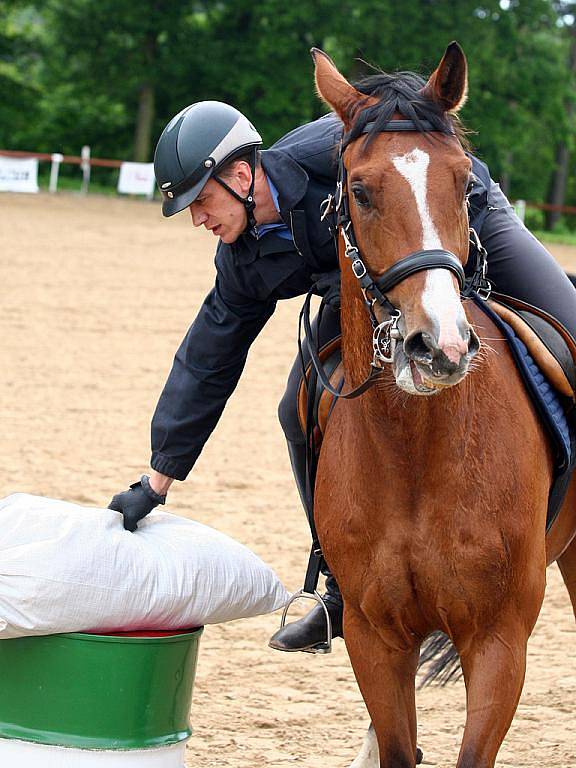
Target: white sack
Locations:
point(67, 568)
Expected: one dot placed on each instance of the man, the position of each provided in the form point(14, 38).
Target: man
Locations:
point(264, 208)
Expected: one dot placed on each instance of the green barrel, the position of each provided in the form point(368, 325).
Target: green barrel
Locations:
point(98, 691)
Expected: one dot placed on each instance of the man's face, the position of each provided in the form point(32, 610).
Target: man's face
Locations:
point(219, 212)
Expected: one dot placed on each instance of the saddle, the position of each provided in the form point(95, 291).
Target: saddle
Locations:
point(545, 355)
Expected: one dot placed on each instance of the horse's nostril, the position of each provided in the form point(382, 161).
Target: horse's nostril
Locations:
point(473, 342)
point(420, 346)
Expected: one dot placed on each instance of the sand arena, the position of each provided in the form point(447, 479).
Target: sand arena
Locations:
point(97, 293)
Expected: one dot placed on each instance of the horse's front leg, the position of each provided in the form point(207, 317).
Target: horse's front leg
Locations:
point(494, 667)
point(386, 674)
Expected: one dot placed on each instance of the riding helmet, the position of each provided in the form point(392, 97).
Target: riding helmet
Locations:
point(195, 144)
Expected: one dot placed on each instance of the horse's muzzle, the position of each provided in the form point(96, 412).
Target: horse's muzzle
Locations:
point(434, 365)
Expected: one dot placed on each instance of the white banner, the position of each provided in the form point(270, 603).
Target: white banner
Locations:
point(137, 179)
point(18, 175)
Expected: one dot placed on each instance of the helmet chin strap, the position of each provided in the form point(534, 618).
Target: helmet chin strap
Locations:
point(248, 201)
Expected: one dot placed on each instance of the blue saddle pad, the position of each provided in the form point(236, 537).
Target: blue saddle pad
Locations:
point(552, 408)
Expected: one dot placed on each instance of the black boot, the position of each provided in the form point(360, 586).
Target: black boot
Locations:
point(311, 630)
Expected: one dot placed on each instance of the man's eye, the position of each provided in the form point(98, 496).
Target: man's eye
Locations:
point(361, 197)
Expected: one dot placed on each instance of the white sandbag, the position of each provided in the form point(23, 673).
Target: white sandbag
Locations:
point(68, 568)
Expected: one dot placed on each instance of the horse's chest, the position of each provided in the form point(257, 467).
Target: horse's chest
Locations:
point(427, 563)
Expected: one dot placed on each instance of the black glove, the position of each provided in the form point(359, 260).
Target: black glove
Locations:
point(327, 285)
point(136, 502)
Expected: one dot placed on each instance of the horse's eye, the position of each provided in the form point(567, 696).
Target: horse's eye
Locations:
point(470, 184)
point(360, 196)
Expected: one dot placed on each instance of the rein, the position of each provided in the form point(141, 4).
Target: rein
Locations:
point(385, 334)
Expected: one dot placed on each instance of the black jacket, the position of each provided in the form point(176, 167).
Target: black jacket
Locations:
point(251, 276)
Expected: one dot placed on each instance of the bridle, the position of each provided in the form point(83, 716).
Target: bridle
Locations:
point(385, 334)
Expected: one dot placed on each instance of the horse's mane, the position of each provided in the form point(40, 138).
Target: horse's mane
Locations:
point(401, 92)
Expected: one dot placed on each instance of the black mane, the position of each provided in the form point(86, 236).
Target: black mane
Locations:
point(400, 92)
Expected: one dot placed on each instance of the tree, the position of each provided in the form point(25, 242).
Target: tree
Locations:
point(105, 63)
point(19, 90)
point(560, 174)
point(111, 73)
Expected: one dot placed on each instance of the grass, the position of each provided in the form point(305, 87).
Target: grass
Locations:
point(67, 184)
point(103, 186)
point(559, 238)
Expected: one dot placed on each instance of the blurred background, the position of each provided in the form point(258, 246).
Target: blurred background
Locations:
point(111, 73)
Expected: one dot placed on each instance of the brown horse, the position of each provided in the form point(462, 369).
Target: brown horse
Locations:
point(432, 488)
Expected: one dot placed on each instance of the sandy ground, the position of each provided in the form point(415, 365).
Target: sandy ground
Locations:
point(96, 295)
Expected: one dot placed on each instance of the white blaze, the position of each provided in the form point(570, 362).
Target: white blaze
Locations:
point(414, 168)
point(439, 300)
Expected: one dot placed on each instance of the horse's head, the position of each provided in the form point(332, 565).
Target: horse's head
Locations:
point(407, 193)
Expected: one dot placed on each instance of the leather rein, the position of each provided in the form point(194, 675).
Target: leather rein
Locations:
point(385, 334)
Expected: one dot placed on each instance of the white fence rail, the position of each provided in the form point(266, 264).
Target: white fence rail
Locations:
point(19, 172)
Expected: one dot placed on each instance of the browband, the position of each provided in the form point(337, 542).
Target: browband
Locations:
point(402, 125)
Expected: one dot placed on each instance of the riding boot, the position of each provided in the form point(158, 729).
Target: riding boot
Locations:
point(311, 630)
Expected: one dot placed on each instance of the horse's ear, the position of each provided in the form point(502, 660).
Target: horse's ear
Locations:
point(334, 89)
point(448, 84)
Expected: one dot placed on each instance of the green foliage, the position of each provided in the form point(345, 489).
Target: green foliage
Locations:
point(534, 219)
point(98, 56)
point(19, 90)
point(76, 71)
point(565, 237)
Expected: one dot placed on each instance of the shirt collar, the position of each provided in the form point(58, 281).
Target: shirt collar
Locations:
point(276, 226)
point(289, 178)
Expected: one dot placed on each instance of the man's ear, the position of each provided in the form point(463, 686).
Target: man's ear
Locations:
point(334, 89)
point(244, 174)
point(448, 84)
point(240, 171)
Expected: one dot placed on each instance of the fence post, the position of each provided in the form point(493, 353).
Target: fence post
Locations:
point(85, 166)
point(520, 208)
point(54, 170)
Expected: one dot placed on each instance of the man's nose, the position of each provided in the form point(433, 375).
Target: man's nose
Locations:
point(198, 216)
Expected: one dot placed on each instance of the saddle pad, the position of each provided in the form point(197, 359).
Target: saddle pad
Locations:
point(549, 344)
point(550, 407)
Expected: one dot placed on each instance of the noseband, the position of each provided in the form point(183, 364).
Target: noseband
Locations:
point(385, 334)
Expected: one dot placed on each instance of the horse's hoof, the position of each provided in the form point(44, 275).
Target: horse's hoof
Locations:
point(419, 755)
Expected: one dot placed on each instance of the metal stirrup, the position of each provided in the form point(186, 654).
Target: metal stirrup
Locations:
point(325, 647)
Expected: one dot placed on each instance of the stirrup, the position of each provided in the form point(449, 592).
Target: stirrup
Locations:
point(325, 647)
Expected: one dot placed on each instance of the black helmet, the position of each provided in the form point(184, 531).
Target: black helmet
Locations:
point(195, 144)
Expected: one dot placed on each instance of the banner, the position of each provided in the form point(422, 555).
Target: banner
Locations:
point(18, 175)
point(137, 179)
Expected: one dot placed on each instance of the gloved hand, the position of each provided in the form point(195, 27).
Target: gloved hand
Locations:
point(136, 502)
point(327, 285)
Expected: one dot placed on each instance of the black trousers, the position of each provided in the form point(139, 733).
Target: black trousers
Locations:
point(518, 265)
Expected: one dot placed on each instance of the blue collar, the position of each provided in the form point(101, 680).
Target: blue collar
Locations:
point(278, 227)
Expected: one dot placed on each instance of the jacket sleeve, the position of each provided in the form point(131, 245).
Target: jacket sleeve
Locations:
point(204, 374)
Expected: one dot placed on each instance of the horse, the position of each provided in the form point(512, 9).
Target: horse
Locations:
point(432, 487)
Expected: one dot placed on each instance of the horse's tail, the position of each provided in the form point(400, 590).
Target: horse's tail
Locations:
point(439, 660)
